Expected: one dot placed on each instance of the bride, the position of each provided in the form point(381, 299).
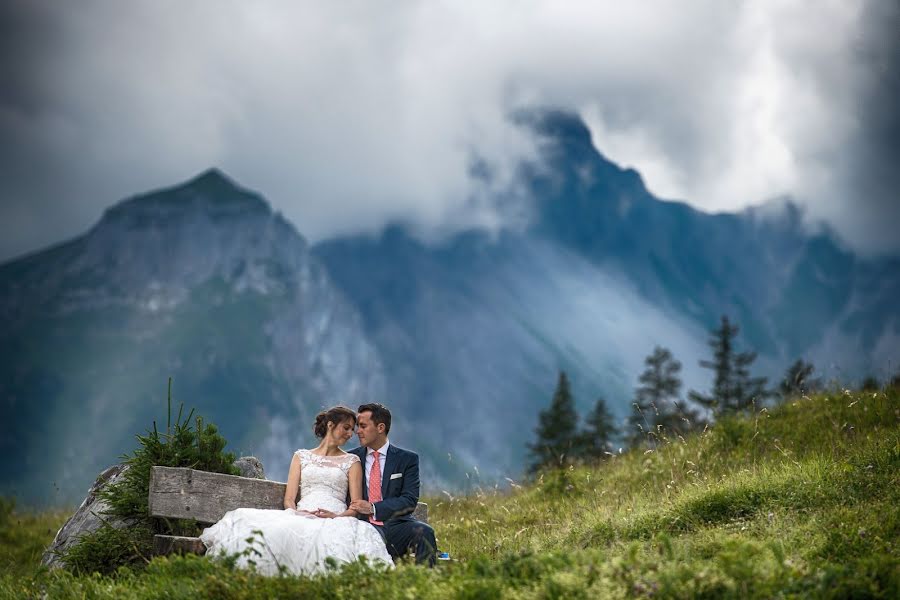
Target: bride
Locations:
point(317, 527)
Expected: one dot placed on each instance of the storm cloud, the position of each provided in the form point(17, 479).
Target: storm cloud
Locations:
point(348, 115)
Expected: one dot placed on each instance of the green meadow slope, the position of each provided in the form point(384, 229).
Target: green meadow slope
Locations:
point(802, 500)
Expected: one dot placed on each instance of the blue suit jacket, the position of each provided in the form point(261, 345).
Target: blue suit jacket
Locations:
point(399, 483)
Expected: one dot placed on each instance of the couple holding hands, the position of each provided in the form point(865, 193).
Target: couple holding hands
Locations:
point(380, 480)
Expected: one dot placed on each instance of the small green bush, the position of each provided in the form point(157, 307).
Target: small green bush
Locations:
point(185, 443)
point(105, 550)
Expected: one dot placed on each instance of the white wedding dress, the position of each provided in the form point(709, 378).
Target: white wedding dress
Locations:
point(297, 540)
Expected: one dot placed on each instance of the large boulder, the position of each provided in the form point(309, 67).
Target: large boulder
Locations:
point(92, 512)
point(251, 467)
point(89, 517)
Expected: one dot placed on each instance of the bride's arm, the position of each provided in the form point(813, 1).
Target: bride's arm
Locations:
point(293, 484)
point(355, 481)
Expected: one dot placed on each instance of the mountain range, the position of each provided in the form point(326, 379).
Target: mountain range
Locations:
point(461, 336)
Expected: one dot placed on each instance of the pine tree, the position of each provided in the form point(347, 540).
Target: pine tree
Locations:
point(557, 430)
point(723, 355)
point(596, 439)
point(655, 399)
point(187, 442)
point(895, 381)
point(747, 389)
point(798, 379)
point(870, 384)
point(734, 389)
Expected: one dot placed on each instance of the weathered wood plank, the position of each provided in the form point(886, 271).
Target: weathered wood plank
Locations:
point(169, 544)
point(179, 493)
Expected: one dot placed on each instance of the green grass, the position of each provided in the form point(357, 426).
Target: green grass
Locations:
point(23, 537)
point(802, 500)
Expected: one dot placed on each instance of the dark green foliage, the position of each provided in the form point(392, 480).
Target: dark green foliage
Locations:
point(598, 435)
point(798, 380)
point(722, 343)
point(895, 381)
point(557, 430)
point(869, 384)
point(185, 443)
point(734, 389)
point(657, 410)
point(108, 548)
point(723, 505)
point(554, 482)
point(748, 390)
point(7, 505)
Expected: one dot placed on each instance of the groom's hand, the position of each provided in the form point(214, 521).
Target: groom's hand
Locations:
point(362, 507)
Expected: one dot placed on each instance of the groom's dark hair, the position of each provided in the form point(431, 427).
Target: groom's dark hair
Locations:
point(380, 414)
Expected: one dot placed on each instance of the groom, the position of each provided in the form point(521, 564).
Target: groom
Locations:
point(390, 487)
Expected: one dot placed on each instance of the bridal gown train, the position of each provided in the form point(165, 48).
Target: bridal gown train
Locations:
point(298, 541)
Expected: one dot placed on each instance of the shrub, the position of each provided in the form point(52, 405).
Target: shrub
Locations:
point(186, 443)
point(7, 506)
point(107, 549)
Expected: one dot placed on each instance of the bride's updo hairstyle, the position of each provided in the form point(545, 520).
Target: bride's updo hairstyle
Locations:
point(336, 415)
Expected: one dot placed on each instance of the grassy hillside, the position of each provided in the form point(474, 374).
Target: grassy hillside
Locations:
point(798, 501)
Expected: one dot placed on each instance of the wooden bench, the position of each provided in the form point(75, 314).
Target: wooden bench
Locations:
point(178, 493)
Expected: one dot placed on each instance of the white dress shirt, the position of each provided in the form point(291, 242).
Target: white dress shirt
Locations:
point(370, 460)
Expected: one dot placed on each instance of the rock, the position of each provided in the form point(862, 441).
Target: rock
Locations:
point(88, 518)
point(250, 466)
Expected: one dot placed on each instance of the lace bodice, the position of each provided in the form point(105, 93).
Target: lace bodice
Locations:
point(324, 480)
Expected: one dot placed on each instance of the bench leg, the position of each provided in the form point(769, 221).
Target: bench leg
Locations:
point(177, 544)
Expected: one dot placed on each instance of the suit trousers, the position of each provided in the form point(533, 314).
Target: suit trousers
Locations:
point(402, 535)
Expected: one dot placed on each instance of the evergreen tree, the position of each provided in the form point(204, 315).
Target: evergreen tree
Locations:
point(734, 389)
point(722, 345)
point(895, 381)
point(557, 430)
point(798, 379)
point(596, 439)
point(685, 419)
point(870, 384)
point(187, 442)
point(655, 399)
point(747, 389)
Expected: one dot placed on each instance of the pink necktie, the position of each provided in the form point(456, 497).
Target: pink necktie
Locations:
point(375, 486)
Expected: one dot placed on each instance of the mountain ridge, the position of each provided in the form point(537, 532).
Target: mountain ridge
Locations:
point(228, 302)
point(205, 282)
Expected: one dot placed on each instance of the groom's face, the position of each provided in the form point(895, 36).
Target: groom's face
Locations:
point(367, 430)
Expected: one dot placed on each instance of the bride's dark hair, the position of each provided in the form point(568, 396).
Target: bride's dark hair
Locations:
point(336, 415)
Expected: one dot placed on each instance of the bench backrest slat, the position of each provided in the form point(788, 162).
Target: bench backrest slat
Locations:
point(179, 493)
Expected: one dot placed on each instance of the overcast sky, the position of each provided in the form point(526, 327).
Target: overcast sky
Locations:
point(348, 114)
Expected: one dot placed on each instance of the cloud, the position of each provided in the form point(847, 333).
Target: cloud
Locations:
point(787, 102)
point(347, 115)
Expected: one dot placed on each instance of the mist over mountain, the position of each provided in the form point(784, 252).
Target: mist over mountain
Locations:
point(794, 291)
point(461, 337)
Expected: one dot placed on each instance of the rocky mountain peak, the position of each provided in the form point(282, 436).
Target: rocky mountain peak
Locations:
point(213, 177)
point(211, 193)
point(154, 248)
